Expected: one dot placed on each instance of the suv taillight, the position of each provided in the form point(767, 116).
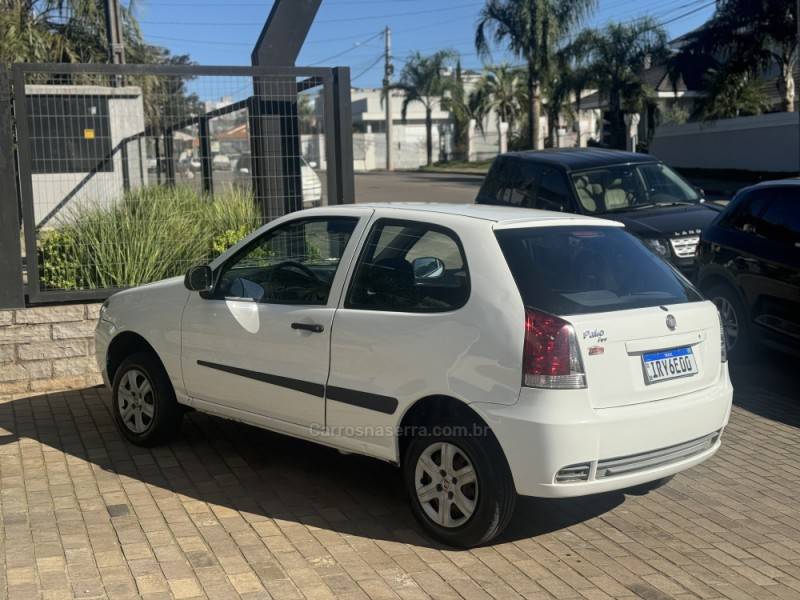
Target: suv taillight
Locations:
point(551, 358)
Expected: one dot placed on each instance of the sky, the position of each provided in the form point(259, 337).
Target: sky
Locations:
point(349, 32)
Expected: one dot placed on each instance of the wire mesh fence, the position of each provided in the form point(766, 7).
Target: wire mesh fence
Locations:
point(132, 174)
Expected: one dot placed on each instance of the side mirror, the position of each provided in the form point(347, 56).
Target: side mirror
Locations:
point(701, 192)
point(199, 279)
point(428, 267)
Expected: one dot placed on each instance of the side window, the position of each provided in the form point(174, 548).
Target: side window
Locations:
point(781, 220)
point(748, 215)
point(291, 264)
point(408, 266)
point(509, 183)
point(553, 193)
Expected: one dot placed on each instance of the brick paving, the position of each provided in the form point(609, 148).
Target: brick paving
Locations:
point(229, 511)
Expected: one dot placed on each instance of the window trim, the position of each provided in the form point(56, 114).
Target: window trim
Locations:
point(383, 221)
point(213, 293)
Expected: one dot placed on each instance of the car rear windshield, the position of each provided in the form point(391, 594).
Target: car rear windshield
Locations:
point(576, 270)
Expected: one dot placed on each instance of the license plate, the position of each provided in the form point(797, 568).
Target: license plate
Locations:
point(668, 364)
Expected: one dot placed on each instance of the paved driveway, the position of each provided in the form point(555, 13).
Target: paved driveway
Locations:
point(411, 186)
point(230, 511)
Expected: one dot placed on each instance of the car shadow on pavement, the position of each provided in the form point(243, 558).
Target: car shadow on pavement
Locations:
point(267, 477)
point(765, 384)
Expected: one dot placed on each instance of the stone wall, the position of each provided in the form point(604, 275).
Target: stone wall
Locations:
point(47, 348)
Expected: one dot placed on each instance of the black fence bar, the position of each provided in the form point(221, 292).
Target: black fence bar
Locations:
point(169, 157)
point(343, 132)
point(25, 165)
point(206, 170)
point(178, 70)
point(12, 293)
point(126, 173)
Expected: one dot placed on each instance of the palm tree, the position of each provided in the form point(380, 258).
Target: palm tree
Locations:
point(616, 56)
point(573, 77)
point(748, 33)
point(502, 90)
point(61, 31)
point(731, 95)
point(464, 106)
point(425, 79)
point(532, 29)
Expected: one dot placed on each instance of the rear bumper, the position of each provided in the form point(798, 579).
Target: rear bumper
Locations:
point(547, 431)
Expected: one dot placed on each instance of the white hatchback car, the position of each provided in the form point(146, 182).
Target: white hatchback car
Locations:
point(488, 351)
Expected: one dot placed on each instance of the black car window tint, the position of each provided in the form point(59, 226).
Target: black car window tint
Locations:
point(553, 193)
point(291, 264)
point(407, 266)
point(748, 214)
point(510, 183)
point(781, 219)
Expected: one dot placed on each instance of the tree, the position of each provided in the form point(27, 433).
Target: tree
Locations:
point(74, 31)
point(502, 90)
point(616, 56)
point(60, 31)
point(532, 30)
point(425, 79)
point(464, 106)
point(731, 95)
point(745, 34)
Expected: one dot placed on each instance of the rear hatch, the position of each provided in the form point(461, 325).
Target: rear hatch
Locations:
point(632, 356)
point(643, 332)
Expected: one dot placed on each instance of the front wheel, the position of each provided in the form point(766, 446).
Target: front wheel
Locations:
point(460, 488)
point(143, 401)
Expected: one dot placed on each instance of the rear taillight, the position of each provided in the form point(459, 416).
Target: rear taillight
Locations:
point(723, 339)
point(551, 358)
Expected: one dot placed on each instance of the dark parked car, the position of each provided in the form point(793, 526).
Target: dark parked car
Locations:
point(652, 200)
point(750, 266)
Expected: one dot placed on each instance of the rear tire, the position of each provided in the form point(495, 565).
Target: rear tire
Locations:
point(466, 512)
point(143, 401)
point(734, 320)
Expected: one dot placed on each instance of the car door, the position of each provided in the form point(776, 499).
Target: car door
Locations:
point(773, 272)
point(399, 319)
point(766, 260)
point(260, 341)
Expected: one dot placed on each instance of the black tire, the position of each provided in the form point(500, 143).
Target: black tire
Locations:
point(496, 495)
point(742, 346)
point(165, 418)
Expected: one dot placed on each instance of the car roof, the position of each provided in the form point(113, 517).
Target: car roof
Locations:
point(577, 159)
point(502, 216)
point(790, 182)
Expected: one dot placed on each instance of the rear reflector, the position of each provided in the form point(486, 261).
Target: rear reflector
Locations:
point(551, 358)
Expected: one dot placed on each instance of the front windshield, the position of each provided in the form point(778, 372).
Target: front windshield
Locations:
point(627, 187)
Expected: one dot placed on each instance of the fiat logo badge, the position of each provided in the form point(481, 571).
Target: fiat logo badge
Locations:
point(671, 323)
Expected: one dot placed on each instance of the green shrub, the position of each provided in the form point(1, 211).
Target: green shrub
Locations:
point(152, 233)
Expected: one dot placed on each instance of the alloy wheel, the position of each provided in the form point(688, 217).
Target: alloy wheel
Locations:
point(136, 401)
point(446, 484)
point(730, 321)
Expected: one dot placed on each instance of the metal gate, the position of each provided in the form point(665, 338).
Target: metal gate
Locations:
point(126, 174)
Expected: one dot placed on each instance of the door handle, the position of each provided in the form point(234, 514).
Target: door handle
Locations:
point(312, 327)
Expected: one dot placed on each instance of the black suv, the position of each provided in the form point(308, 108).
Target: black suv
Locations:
point(653, 201)
point(749, 261)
